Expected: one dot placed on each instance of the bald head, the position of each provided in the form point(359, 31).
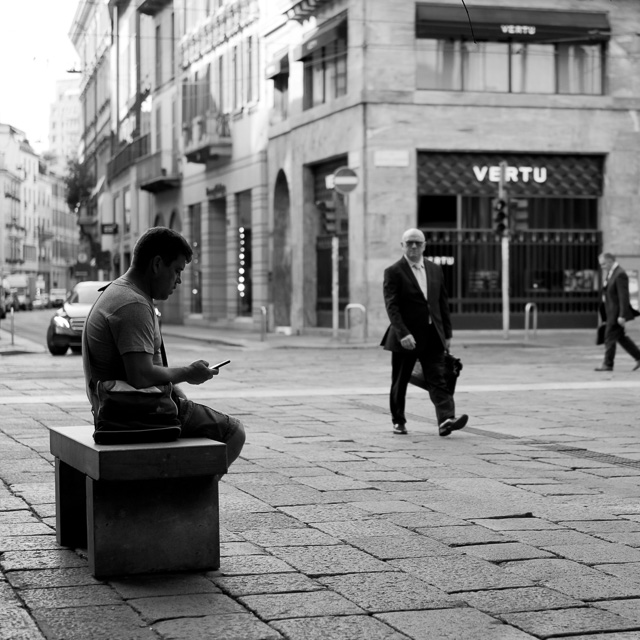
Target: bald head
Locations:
point(413, 242)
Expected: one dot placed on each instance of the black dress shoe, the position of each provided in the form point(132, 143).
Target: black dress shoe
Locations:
point(453, 424)
point(637, 366)
point(604, 368)
point(400, 429)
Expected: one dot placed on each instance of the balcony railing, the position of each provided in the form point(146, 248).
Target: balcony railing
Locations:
point(127, 156)
point(207, 138)
point(158, 172)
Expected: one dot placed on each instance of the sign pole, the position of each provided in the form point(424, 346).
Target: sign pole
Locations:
point(345, 180)
point(335, 285)
point(502, 195)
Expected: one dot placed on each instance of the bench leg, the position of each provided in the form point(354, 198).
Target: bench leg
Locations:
point(71, 513)
point(146, 526)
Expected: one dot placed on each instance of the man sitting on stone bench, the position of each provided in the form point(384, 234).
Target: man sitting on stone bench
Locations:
point(123, 337)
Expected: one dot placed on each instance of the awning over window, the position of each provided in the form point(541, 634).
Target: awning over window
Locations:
point(279, 65)
point(497, 23)
point(327, 32)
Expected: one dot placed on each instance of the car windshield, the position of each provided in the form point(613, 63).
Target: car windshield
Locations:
point(85, 295)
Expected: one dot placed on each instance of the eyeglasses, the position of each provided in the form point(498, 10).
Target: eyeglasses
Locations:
point(414, 243)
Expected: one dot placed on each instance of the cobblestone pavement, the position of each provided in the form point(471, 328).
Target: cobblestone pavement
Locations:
point(524, 525)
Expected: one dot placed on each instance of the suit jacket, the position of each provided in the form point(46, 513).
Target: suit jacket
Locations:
point(616, 298)
point(407, 308)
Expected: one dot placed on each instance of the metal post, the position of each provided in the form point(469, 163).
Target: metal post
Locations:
point(502, 194)
point(263, 324)
point(12, 325)
point(335, 255)
point(530, 306)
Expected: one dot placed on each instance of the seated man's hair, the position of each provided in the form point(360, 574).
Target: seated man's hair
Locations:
point(163, 242)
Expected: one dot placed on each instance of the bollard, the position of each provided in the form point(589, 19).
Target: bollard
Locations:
point(529, 307)
point(263, 324)
point(13, 328)
point(360, 307)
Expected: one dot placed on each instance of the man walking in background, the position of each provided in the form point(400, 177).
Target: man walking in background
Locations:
point(616, 311)
point(418, 307)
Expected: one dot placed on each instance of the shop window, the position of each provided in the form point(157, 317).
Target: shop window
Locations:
point(510, 67)
point(437, 212)
point(510, 50)
point(325, 70)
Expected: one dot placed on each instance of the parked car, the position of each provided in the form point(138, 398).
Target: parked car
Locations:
point(41, 301)
point(57, 297)
point(65, 328)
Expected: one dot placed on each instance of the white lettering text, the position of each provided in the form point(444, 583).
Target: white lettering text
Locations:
point(518, 29)
point(512, 174)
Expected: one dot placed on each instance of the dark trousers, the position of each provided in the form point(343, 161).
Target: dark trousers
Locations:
point(432, 361)
point(616, 334)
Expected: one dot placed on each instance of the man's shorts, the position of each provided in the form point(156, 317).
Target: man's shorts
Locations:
point(200, 421)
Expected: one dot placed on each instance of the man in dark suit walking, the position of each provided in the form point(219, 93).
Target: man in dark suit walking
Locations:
point(418, 307)
point(616, 311)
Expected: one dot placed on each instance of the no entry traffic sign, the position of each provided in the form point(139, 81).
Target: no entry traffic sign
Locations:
point(345, 180)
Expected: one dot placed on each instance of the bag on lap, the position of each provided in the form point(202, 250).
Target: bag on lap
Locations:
point(127, 415)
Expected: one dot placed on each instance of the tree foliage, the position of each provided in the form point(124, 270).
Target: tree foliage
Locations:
point(78, 182)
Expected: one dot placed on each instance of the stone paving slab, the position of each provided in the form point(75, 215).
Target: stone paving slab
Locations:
point(311, 514)
point(330, 560)
point(447, 624)
point(252, 565)
point(629, 608)
point(17, 624)
point(16, 560)
point(219, 626)
point(409, 546)
point(360, 528)
point(464, 535)
point(267, 584)
point(338, 628)
point(504, 552)
point(98, 623)
point(146, 586)
point(25, 543)
point(460, 573)
point(519, 524)
point(552, 538)
point(498, 601)
point(596, 552)
point(76, 596)
point(51, 578)
point(156, 608)
point(299, 605)
point(546, 624)
point(380, 592)
point(289, 537)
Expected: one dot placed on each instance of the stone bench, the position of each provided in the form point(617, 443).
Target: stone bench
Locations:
point(138, 508)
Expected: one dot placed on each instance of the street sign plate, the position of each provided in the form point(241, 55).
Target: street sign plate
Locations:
point(345, 180)
point(109, 228)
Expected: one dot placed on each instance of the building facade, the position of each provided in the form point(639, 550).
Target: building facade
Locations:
point(38, 233)
point(65, 123)
point(228, 120)
point(425, 103)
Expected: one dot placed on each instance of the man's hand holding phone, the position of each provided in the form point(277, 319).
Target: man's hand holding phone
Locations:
point(220, 364)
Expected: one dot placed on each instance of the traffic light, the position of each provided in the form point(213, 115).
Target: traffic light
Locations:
point(500, 216)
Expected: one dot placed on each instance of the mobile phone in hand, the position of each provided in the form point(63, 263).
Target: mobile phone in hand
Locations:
point(220, 364)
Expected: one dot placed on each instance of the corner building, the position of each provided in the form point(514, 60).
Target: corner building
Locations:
point(425, 102)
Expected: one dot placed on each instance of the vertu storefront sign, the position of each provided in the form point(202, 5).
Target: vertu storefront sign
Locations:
point(512, 174)
point(478, 174)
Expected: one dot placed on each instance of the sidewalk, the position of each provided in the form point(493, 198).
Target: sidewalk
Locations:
point(524, 525)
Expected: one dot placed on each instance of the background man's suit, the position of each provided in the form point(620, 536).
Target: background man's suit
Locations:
point(616, 305)
point(429, 322)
